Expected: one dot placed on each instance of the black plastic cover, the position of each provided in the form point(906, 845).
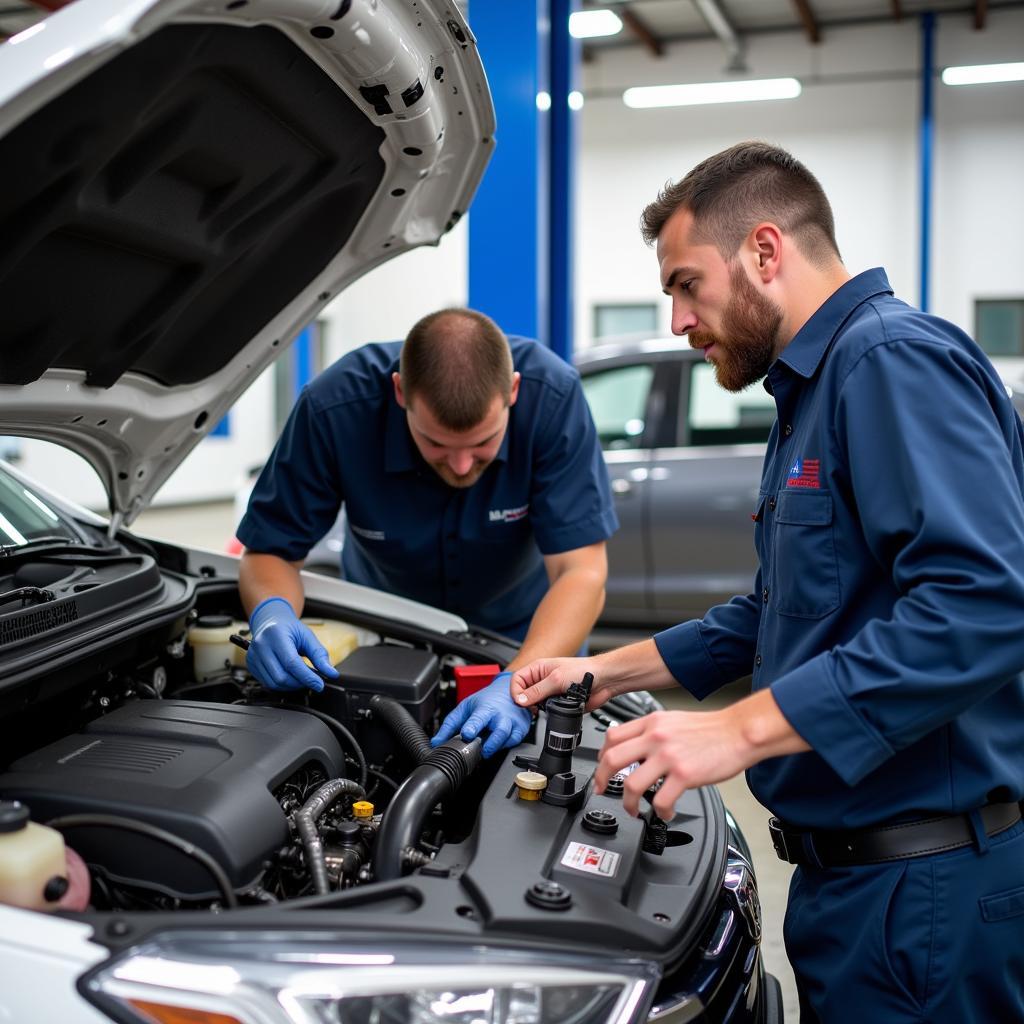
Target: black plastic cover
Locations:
point(205, 772)
point(407, 674)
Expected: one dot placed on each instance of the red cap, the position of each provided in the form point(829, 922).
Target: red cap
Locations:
point(470, 678)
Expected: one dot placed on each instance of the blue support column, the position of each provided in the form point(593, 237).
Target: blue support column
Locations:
point(508, 221)
point(564, 64)
point(926, 140)
point(302, 360)
point(521, 220)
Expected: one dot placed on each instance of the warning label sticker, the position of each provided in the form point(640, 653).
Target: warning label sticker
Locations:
point(592, 859)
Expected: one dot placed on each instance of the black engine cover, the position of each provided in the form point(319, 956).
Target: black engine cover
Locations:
point(205, 772)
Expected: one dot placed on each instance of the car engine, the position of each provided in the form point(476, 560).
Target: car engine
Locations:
point(183, 784)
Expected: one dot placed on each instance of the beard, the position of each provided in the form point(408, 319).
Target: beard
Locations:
point(459, 482)
point(745, 348)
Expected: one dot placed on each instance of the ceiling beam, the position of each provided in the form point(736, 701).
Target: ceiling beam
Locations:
point(711, 11)
point(980, 13)
point(640, 29)
point(810, 23)
point(897, 11)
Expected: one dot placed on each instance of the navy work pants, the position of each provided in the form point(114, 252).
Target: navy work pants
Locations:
point(928, 940)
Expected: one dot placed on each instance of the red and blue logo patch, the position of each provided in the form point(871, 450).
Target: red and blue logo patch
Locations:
point(804, 473)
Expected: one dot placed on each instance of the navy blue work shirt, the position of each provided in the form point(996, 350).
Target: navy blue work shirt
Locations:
point(476, 552)
point(888, 612)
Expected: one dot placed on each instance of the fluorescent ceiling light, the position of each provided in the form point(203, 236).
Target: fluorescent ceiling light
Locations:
point(587, 24)
point(979, 74)
point(712, 92)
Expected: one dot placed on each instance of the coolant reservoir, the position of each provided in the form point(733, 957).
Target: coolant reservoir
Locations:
point(212, 651)
point(32, 860)
point(339, 638)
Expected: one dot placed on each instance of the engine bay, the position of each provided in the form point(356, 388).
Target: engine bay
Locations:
point(183, 785)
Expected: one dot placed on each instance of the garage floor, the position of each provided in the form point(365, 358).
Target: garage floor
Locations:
point(211, 526)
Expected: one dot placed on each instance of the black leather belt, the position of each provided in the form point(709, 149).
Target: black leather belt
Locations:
point(887, 842)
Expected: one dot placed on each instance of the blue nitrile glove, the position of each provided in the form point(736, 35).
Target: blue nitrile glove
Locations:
point(279, 640)
point(491, 708)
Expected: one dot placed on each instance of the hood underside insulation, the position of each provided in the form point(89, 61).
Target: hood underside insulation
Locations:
point(158, 214)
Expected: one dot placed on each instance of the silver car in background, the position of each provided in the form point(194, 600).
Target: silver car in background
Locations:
point(684, 457)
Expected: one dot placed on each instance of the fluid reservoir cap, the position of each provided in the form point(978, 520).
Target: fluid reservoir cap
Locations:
point(549, 896)
point(362, 809)
point(56, 887)
point(214, 621)
point(530, 785)
point(13, 816)
point(601, 822)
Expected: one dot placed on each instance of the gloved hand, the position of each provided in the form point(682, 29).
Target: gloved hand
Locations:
point(491, 708)
point(279, 640)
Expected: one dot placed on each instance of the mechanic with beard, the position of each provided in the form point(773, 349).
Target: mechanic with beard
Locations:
point(884, 631)
point(472, 480)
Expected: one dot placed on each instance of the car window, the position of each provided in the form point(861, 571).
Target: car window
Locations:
point(24, 516)
point(618, 403)
point(718, 417)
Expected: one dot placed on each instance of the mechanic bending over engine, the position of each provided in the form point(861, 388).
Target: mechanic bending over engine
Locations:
point(885, 630)
point(472, 479)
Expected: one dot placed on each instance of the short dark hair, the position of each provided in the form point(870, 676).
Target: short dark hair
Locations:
point(732, 191)
point(457, 361)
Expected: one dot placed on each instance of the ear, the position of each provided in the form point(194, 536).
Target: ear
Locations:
point(514, 393)
point(765, 246)
point(399, 397)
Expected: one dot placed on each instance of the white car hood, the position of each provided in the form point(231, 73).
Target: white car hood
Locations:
point(186, 184)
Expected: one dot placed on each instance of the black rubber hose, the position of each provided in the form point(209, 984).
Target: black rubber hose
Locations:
point(145, 829)
point(440, 775)
point(403, 726)
point(305, 825)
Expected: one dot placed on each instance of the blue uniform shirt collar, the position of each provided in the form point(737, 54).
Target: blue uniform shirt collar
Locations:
point(400, 452)
point(805, 352)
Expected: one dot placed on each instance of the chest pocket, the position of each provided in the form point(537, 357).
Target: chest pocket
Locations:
point(806, 575)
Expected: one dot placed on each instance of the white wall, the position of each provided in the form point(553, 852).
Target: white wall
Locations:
point(855, 126)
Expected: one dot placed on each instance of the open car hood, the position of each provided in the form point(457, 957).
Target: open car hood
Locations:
point(185, 184)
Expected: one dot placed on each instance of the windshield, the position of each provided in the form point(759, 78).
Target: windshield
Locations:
point(25, 517)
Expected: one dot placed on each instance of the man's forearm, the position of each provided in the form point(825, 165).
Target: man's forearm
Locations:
point(263, 576)
point(639, 666)
point(564, 618)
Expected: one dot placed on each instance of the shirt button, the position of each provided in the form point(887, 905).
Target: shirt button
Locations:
point(764, 595)
point(757, 661)
point(788, 429)
point(771, 504)
point(454, 583)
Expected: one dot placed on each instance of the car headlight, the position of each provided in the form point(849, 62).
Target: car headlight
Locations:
point(231, 979)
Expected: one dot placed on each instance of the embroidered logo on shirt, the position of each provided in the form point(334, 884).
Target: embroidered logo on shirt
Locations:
point(508, 515)
point(361, 531)
point(804, 473)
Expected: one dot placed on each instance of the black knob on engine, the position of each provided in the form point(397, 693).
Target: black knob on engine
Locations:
point(601, 822)
point(549, 896)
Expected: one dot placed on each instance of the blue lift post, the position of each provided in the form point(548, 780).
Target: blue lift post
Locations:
point(927, 132)
point(564, 56)
point(520, 223)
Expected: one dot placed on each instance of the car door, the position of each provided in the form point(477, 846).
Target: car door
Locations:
point(702, 492)
point(621, 399)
